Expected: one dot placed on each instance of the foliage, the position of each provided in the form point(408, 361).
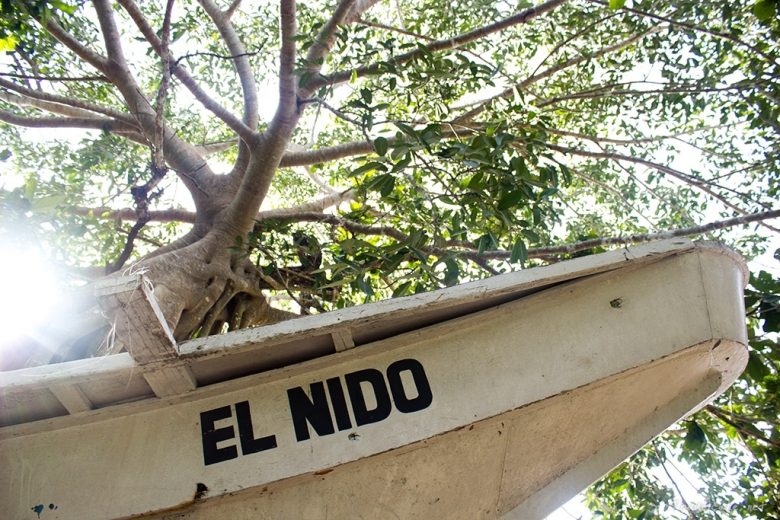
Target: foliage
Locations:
point(413, 145)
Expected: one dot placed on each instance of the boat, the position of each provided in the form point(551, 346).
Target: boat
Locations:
point(498, 398)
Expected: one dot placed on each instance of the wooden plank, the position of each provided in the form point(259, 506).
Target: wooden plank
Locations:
point(72, 398)
point(118, 366)
point(138, 319)
point(171, 380)
point(342, 340)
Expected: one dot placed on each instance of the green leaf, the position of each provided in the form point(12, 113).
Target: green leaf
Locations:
point(353, 77)
point(63, 6)
point(47, 204)
point(519, 252)
point(511, 199)
point(402, 163)
point(365, 286)
point(616, 4)
point(5, 155)
point(380, 145)
point(452, 273)
point(8, 43)
point(384, 184)
point(520, 168)
point(764, 10)
point(368, 167)
point(486, 242)
point(408, 130)
point(402, 289)
point(695, 438)
point(531, 235)
point(475, 182)
point(29, 188)
point(756, 369)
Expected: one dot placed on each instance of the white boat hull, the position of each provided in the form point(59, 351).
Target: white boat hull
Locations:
point(508, 411)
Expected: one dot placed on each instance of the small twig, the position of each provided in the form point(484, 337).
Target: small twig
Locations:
point(214, 55)
point(722, 415)
point(338, 113)
point(688, 507)
point(230, 11)
point(53, 78)
point(128, 249)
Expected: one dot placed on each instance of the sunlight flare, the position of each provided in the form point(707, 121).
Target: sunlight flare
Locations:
point(30, 292)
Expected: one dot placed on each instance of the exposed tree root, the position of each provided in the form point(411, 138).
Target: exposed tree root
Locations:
point(204, 289)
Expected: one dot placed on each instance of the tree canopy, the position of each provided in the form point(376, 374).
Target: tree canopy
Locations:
point(259, 160)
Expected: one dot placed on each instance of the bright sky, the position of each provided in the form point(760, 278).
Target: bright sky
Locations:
point(31, 291)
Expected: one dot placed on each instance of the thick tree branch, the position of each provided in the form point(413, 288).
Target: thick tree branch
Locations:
point(322, 45)
point(317, 205)
point(232, 8)
point(166, 215)
point(330, 153)
point(288, 87)
point(646, 237)
point(61, 35)
point(340, 151)
point(238, 217)
point(191, 168)
point(240, 59)
point(359, 7)
point(303, 213)
point(162, 91)
point(93, 123)
point(625, 142)
point(37, 77)
point(50, 102)
point(208, 149)
point(441, 45)
point(541, 252)
point(182, 215)
point(47, 106)
point(127, 250)
point(188, 81)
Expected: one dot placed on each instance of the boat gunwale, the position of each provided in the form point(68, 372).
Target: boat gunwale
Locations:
point(123, 367)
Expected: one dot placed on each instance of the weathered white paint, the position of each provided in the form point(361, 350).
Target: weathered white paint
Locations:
point(483, 470)
point(119, 378)
point(174, 380)
point(609, 358)
point(72, 398)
